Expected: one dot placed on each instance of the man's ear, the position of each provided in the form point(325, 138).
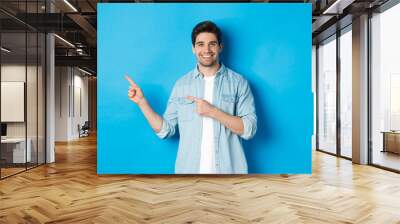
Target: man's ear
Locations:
point(193, 50)
point(221, 47)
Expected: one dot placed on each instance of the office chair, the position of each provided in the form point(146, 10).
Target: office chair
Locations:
point(84, 130)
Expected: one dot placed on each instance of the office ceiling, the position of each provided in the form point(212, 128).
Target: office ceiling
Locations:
point(75, 23)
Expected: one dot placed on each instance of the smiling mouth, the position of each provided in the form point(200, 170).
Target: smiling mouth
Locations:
point(206, 56)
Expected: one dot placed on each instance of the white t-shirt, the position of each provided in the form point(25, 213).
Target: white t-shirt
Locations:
point(207, 160)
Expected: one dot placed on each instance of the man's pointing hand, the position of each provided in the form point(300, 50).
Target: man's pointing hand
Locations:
point(203, 107)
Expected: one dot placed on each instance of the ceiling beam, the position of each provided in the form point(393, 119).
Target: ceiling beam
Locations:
point(84, 24)
point(83, 61)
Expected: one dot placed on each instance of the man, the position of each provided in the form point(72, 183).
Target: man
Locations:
point(213, 107)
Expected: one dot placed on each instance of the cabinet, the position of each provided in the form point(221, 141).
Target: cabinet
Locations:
point(13, 150)
point(391, 141)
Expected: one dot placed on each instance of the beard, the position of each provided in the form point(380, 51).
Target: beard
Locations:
point(208, 64)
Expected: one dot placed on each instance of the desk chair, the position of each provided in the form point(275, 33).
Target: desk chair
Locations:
point(84, 130)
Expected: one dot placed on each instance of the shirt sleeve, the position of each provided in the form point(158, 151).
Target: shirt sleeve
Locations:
point(170, 117)
point(246, 110)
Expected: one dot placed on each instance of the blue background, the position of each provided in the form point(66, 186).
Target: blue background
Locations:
point(269, 44)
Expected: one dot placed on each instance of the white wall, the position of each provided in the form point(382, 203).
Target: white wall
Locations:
point(61, 103)
point(71, 102)
point(80, 110)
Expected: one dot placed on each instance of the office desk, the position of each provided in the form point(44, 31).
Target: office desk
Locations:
point(391, 141)
point(13, 150)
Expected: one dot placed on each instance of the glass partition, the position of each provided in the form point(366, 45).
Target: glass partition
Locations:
point(14, 153)
point(22, 64)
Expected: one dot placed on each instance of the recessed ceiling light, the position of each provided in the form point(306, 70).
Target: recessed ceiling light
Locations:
point(5, 50)
point(70, 5)
point(337, 7)
point(64, 40)
point(84, 71)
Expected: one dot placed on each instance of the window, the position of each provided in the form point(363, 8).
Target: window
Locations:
point(385, 88)
point(346, 92)
point(327, 95)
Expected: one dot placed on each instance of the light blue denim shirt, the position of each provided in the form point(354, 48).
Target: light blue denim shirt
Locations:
point(232, 95)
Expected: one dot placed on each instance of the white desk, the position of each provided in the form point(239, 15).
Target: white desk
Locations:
point(19, 149)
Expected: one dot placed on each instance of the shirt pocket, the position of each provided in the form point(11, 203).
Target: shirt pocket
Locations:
point(186, 109)
point(228, 102)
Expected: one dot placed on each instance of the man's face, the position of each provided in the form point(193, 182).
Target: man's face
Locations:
point(207, 49)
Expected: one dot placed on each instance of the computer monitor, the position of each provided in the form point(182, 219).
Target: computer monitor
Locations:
point(3, 129)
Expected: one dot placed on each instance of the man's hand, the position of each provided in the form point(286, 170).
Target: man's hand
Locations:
point(135, 93)
point(203, 107)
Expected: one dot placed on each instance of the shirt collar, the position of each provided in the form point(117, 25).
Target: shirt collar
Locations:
point(197, 73)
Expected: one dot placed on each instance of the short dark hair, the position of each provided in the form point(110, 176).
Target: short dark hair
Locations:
point(206, 27)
